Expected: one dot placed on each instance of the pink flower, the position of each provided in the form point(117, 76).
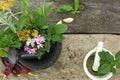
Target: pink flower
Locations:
point(39, 39)
point(29, 50)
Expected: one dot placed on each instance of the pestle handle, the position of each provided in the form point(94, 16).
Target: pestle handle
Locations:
point(96, 63)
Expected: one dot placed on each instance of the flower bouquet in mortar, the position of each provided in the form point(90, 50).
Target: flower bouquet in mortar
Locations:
point(27, 40)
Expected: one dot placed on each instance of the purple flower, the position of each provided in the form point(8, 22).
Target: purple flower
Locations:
point(26, 48)
point(39, 39)
point(29, 50)
point(32, 51)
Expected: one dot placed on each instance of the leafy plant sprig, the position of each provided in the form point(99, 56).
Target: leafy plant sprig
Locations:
point(108, 63)
point(36, 19)
point(68, 8)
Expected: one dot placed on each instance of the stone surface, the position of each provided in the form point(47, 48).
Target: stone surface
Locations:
point(70, 63)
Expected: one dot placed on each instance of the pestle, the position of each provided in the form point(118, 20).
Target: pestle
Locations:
point(96, 63)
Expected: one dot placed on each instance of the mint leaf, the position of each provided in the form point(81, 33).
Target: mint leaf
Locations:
point(117, 56)
point(118, 64)
point(103, 69)
point(109, 57)
point(102, 55)
point(64, 9)
point(76, 5)
point(106, 56)
point(60, 28)
point(48, 9)
point(3, 53)
point(113, 70)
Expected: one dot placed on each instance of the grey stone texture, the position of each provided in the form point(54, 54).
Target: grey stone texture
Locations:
point(70, 63)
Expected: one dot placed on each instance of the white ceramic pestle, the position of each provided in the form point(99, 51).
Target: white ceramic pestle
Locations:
point(96, 63)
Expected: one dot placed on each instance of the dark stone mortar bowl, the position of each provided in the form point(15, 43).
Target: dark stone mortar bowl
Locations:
point(47, 60)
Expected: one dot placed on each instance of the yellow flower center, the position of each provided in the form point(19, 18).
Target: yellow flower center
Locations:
point(23, 35)
point(35, 33)
point(4, 5)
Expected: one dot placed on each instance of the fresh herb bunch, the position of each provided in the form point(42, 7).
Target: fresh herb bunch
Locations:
point(108, 62)
point(30, 30)
point(68, 8)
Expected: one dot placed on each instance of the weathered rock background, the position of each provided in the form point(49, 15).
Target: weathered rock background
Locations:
point(70, 64)
point(99, 16)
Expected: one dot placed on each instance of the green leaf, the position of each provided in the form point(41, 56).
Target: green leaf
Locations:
point(106, 56)
point(40, 22)
point(17, 44)
point(44, 27)
point(38, 11)
point(117, 56)
point(64, 9)
point(47, 46)
point(13, 28)
point(57, 38)
point(103, 69)
point(39, 54)
point(21, 22)
point(109, 57)
point(102, 62)
point(76, 5)
point(48, 8)
point(3, 53)
point(24, 5)
point(102, 55)
point(113, 70)
point(75, 12)
point(60, 28)
point(118, 64)
point(50, 29)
